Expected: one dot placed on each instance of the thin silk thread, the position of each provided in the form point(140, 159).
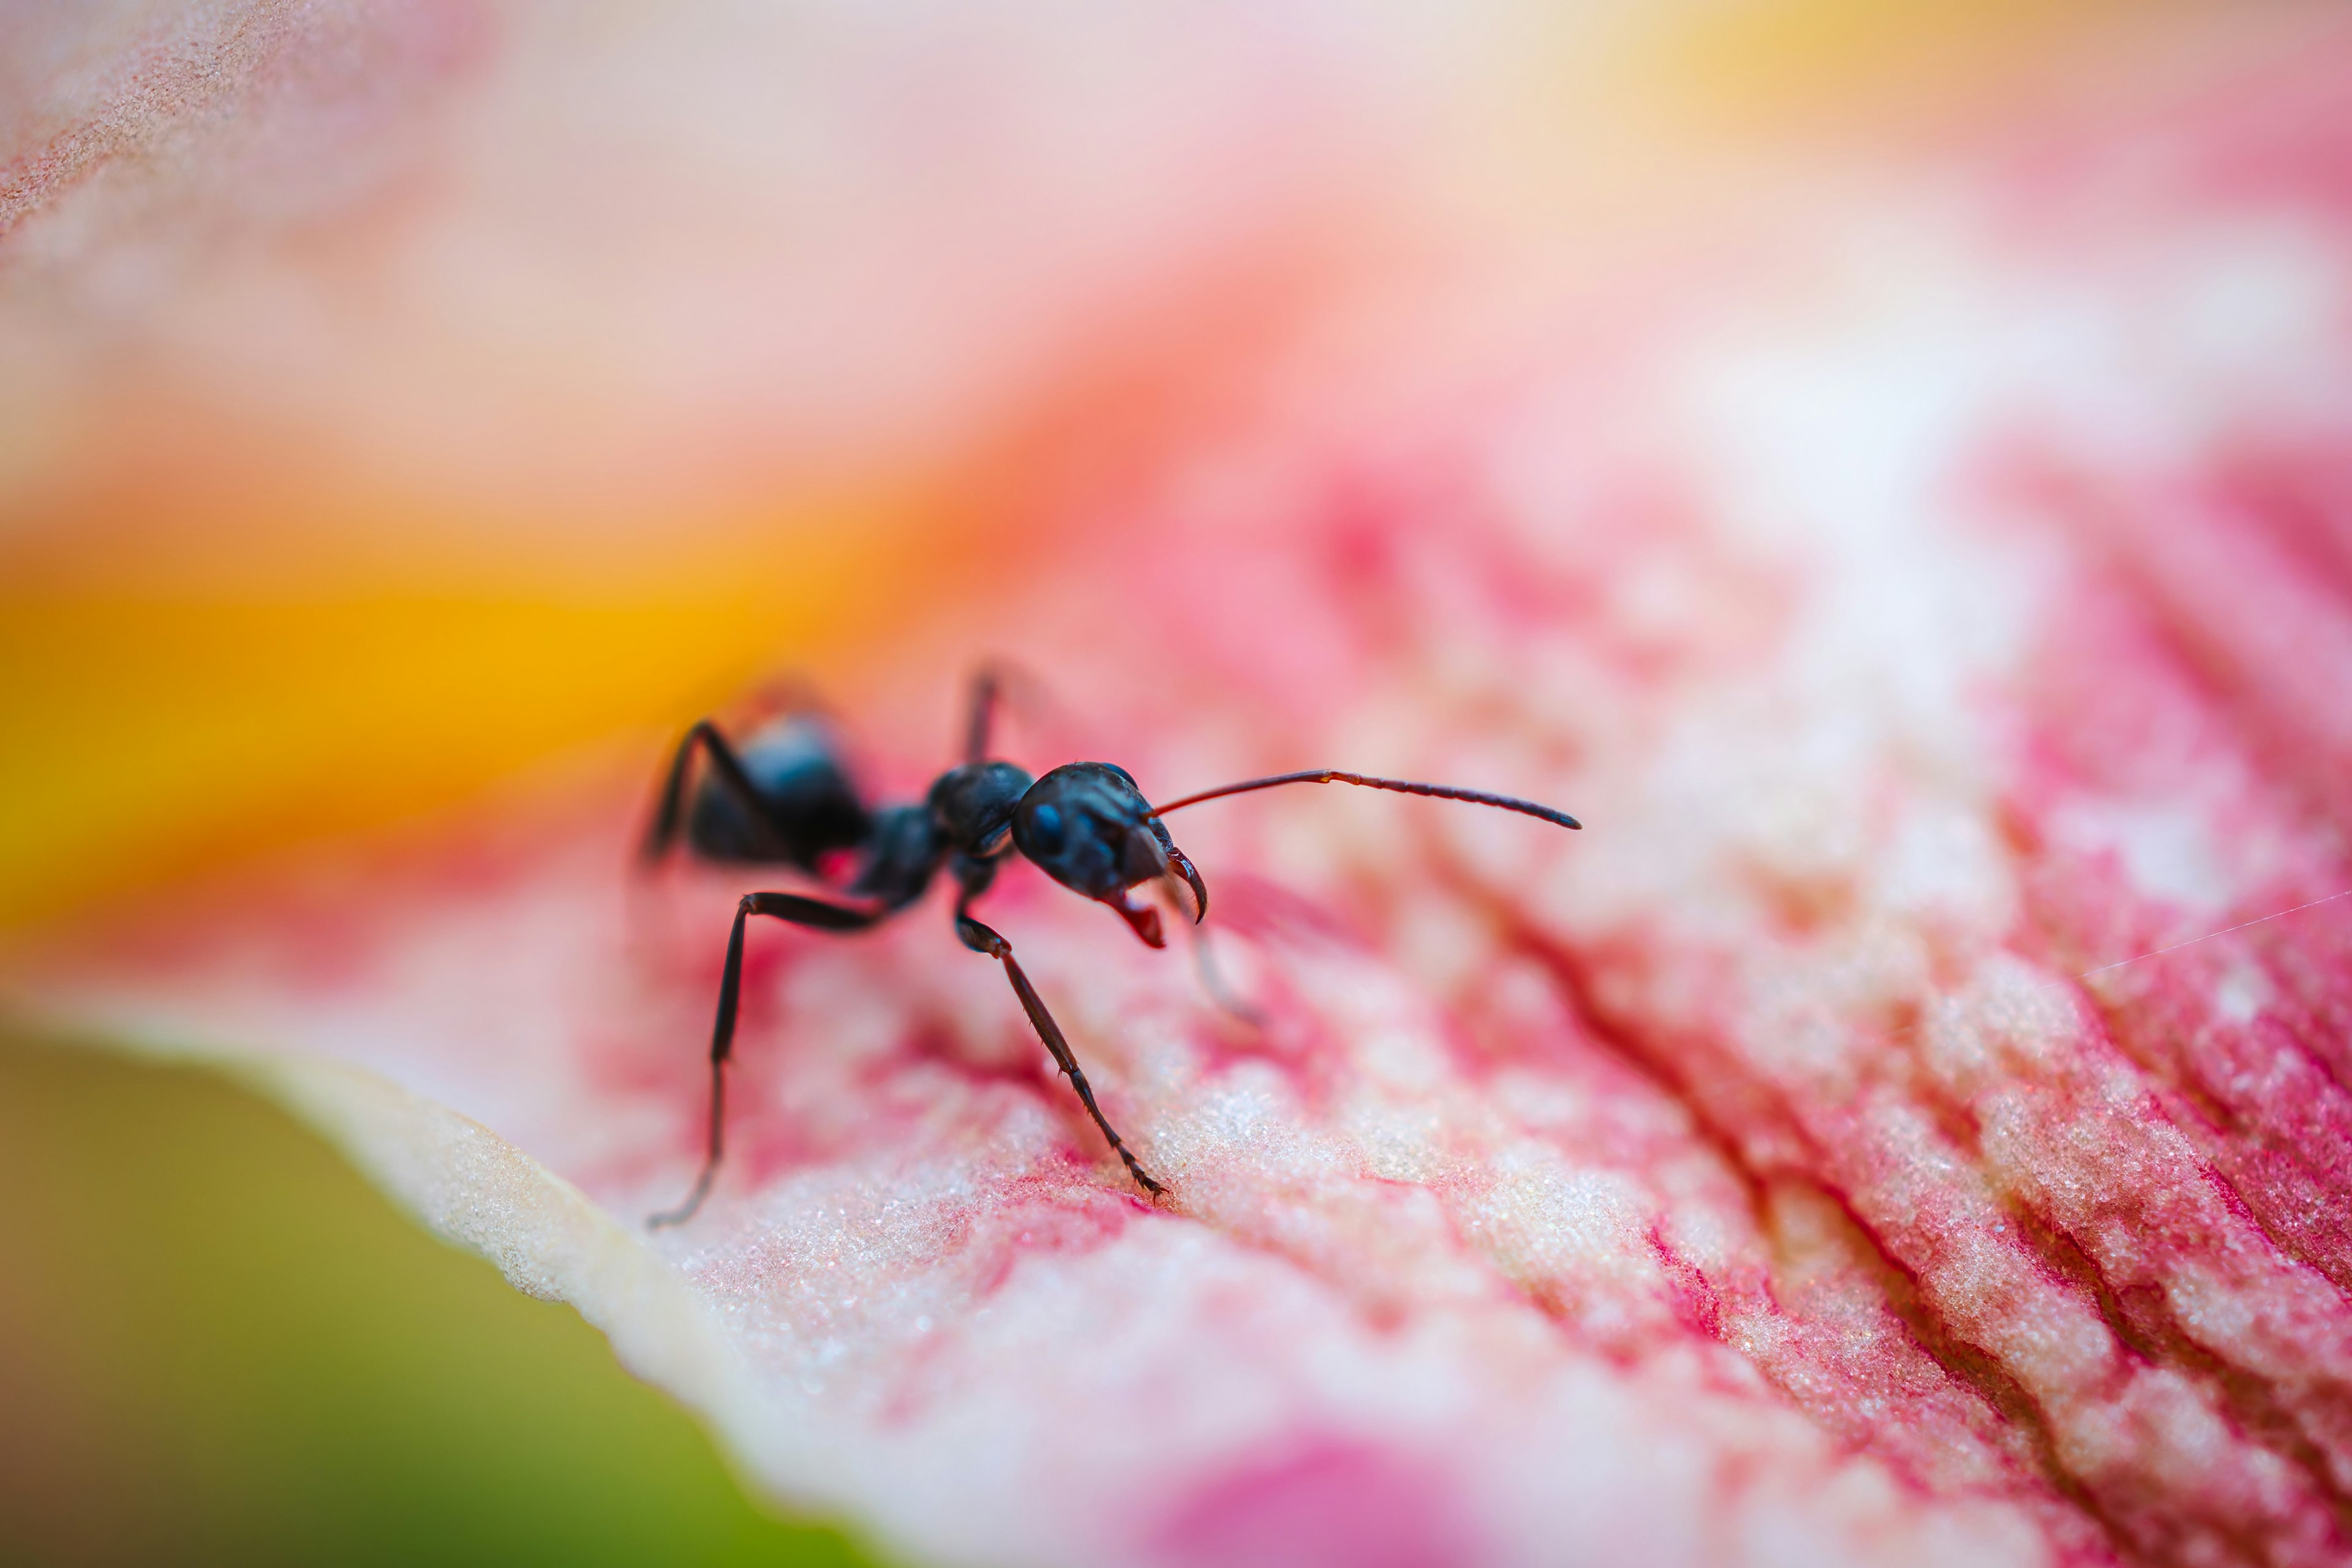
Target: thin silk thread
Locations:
point(2210, 935)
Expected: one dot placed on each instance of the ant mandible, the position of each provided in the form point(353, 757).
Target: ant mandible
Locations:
point(785, 799)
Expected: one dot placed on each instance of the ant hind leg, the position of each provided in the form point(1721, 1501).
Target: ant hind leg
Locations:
point(669, 814)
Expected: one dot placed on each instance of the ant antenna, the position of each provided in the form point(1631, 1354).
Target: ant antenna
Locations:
point(1402, 787)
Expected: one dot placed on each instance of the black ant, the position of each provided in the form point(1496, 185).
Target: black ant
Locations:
point(785, 799)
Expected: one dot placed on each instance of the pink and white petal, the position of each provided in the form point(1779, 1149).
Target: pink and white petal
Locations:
point(1801, 1164)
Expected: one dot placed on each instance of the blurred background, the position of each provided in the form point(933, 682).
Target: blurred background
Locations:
point(396, 394)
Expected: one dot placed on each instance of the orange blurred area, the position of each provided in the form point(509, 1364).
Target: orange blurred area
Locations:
point(1831, 63)
point(230, 653)
point(358, 458)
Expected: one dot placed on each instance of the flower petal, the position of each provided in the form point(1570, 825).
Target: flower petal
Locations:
point(1906, 1124)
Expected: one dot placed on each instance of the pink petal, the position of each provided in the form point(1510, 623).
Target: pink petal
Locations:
point(1856, 1146)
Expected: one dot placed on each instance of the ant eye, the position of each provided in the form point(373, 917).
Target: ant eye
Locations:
point(1045, 830)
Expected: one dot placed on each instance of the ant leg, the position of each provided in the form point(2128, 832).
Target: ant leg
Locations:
point(727, 765)
point(1212, 980)
point(996, 683)
point(814, 914)
point(980, 938)
point(987, 681)
point(1189, 896)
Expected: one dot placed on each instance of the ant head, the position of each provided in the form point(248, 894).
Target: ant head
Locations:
point(974, 804)
point(1089, 827)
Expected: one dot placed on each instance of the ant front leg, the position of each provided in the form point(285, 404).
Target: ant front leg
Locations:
point(1189, 896)
point(1211, 976)
point(791, 908)
point(982, 939)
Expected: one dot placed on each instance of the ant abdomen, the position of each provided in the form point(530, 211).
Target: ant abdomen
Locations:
point(812, 804)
